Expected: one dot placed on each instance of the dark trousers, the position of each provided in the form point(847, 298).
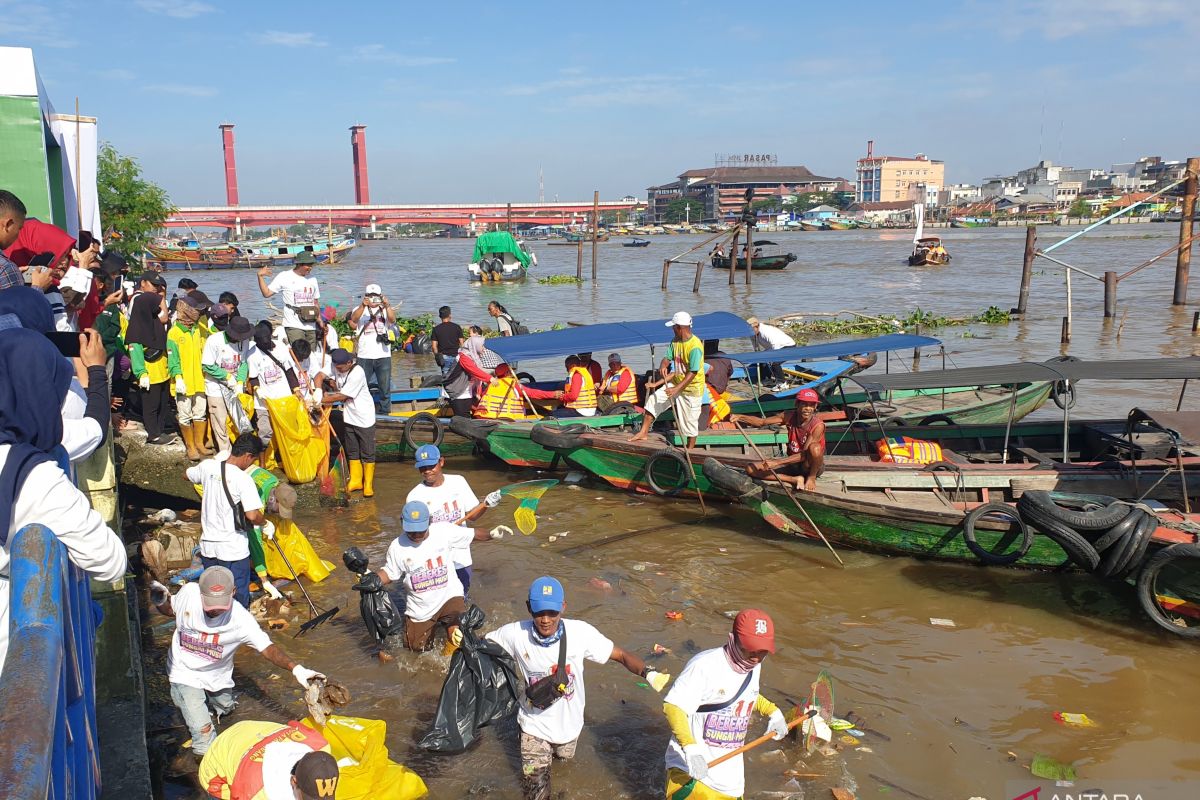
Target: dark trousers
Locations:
point(464, 575)
point(379, 372)
point(359, 443)
point(462, 408)
point(154, 409)
point(241, 576)
point(565, 413)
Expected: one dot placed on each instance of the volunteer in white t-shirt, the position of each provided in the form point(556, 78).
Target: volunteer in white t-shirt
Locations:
point(300, 295)
point(421, 557)
point(311, 370)
point(358, 417)
point(709, 707)
point(537, 645)
point(373, 319)
point(209, 628)
point(768, 337)
point(223, 362)
point(450, 499)
point(222, 543)
point(268, 368)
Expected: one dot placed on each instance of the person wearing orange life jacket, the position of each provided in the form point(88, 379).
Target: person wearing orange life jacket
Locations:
point(617, 386)
point(505, 398)
point(806, 443)
point(578, 396)
point(268, 761)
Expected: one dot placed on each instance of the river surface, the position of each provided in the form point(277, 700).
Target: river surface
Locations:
point(960, 712)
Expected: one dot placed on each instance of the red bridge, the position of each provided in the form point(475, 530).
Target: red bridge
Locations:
point(365, 215)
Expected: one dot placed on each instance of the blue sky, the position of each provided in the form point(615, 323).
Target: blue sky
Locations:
point(466, 101)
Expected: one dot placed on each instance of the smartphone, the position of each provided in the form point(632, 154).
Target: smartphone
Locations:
point(41, 260)
point(85, 240)
point(67, 342)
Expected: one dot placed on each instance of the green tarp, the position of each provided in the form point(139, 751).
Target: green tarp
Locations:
point(499, 242)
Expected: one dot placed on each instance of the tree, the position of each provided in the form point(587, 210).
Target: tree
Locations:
point(684, 208)
point(131, 207)
point(1079, 208)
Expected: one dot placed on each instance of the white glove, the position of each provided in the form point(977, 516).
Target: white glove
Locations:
point(144, 383)
point(268, 530)
point(493, 499)
point(500, 531)
point(657, 680)
point(158, 593)
point(697, 761)
point(303, 675)
point(180, 386)
point(270, 589)
point(232, 382)
point(777, 725)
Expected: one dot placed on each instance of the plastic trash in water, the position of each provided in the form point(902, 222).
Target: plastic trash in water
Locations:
point(942, 622)
point(163, 516)
point(1074, 720)
point(674, 615)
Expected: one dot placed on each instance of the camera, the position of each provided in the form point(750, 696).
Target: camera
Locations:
point(383, 339)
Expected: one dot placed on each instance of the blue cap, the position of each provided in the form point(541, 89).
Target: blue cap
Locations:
point(416, 516)
point(428, 455)
point(545, 594)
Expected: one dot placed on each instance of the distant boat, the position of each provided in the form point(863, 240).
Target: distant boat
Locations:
point(928, 251)
point(499, 257)
point(838, 224)
point(636, 243)
point(761, 261)
point(970, 222)
point(810, 226)
point(192, 254)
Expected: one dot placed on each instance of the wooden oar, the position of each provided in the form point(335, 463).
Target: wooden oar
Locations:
point(687, 456)
point(788, 490)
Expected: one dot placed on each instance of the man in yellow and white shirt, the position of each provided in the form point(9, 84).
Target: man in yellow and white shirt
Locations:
point(683, 388)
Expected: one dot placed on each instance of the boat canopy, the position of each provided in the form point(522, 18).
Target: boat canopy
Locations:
point(499, 242)
point(876, 344)
point(1056, 369)
point(1181, 425)
point(615, 335)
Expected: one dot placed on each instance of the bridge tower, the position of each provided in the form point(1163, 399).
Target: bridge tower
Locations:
point(231, 190)
point(358, 143)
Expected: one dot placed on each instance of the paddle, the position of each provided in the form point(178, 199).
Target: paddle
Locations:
point(529, 493)
point(788, 490)
point(318, 617)
point(687, 456)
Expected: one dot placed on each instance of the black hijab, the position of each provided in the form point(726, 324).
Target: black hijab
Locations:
point(144, 326)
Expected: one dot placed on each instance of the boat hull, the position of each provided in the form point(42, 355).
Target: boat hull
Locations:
point(775, 262)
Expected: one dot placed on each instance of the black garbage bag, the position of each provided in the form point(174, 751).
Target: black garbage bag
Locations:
point(481, 688)
point(378, 611)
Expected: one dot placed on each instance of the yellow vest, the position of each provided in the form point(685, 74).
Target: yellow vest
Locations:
point(587, 395)
point(501, 401)
point(630, 393)
point(680, 352)
point(232, 767)
point(719, 410)
point(188, 345)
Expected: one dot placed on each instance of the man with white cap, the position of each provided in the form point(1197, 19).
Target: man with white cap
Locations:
point(682, 386)
point(373, 319)
point(769, 337)
point(209, 628)
point(709, 707)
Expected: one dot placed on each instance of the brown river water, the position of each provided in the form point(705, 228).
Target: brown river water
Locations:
point(955, 712)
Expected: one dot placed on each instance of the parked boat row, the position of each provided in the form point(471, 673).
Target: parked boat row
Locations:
point(194, 254)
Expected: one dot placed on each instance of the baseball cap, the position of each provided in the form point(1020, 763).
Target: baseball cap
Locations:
point(545, 594)
point(428, 455)
point(316, 776)
point(754, 630)
point(752, 321)
point(614, 357)
point(373, 288)
point(239, 329)
point(304, 257)
point(340, 356)
point(680, 318)
point(192, 302)
point(285, 499)
point(807, 396)
point(216, 589)
point(416, 516)
point(217, 310)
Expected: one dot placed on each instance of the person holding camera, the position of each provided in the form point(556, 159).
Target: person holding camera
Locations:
point(550, 650)
point(373, 319)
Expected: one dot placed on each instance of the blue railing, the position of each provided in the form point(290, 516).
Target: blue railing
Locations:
point(48, 687)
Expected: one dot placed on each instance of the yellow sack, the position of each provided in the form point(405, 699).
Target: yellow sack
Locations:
point(295, 545)
point(367, 772)
point(300, 449)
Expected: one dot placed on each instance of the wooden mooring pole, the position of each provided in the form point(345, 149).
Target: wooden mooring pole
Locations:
point(733, 256)
point(699, 272)
point(749, 252)
point(1027, 269)
point(1110, 294)
point(1183, 259)
point(1066, 331)
point(508, 216)
point(666, 269)
point(579, 260)
point(595, 228)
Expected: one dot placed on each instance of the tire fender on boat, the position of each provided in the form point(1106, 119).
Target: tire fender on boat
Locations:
point(987, 556)
point(558, 437)
point(1063, 394)
point(1061, 506)
point(1147, 595)
point(411, 430)
point(668, 454)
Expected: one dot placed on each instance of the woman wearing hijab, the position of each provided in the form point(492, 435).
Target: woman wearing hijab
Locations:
point(33, 488)
point(147, 342)
point(469, 375)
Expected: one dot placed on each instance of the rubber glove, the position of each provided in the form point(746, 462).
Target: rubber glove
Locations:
point(268, 530)
point(232, 382)
point(657, 680)
point(158, 593)
point(493, 499)
point(303, 675)
point(144, 383)
point(270, 589)
point(697, 760)
point(777, 725)
point(180, 386)
point(500, 531)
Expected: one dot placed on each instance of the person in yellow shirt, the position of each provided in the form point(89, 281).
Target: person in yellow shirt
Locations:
point(254, 760)
point(185, 344)
point(683, 383)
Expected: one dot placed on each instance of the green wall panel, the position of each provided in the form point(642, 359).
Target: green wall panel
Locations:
point(23, 154)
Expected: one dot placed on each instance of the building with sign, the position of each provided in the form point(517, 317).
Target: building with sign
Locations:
point(881, 179)
point(721, 189)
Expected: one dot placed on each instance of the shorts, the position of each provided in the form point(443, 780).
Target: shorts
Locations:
point(359, 443)
point(687, 414)
point(419, 635)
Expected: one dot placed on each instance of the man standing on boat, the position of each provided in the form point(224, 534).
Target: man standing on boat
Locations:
point(300, 295)
point(806, 443)
point(768, 337)
point(684, 384)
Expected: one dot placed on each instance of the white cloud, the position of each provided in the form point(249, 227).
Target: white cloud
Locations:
point(33, 26)
point(116, 75)
point(1063, 19)
point(595, 91)
point(184, 89)
point(290, 39)
point(380, 54)
point(179, 9)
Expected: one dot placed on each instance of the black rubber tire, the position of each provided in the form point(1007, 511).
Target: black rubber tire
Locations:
point(423, 417)
point(1078, 549)
point(623, 408)
point(1146, 593)
point(1061, 389)
point(895, 422)
point(986, 556)
point(1136, 546)
point(1139, 555)
point(475, 430)
point(525, 377)
point(733, 482)
point(1051, 504)
point(668, 454)
point(430, 381)
point(1114, 535)
point(937, 419)
point(558, 438)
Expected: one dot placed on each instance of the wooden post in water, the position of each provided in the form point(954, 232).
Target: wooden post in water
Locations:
point(579, 259)
point(1110, 294)
point(666, 269)
point(1196, 322)
point(508, 216)
point(1027, 268)
point(749, 251)
point(1183, 259)
point(1066, 331)
point(699, 271)
point(733, 254)
point(595, 228)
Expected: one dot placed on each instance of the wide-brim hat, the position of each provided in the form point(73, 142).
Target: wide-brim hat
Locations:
point(239, 329)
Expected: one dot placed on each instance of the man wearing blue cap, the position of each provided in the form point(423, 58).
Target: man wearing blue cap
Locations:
point(421, 557)
point(450, 499)
point(551, 711)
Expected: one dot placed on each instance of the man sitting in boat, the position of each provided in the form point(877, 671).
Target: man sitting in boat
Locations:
point(619, 385)
point(806, 443)
point(578, 396)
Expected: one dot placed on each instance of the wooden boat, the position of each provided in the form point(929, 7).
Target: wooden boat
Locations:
point(838, 224)
point(766, 261)
point(273, 255)
point(499, 258)
point(810, 226)
point(970, 222)
point(927, 250)
point(636, 243)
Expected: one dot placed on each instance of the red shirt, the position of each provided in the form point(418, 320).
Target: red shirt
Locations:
point(798, 435)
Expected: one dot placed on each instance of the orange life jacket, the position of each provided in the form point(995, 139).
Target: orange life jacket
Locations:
point(587, 394)
point(502, 401)
point(719, 410)
point(905, 450)
point(611, 379)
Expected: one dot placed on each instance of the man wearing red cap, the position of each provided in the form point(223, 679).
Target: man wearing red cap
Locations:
point(806, 443)
point(709, 707)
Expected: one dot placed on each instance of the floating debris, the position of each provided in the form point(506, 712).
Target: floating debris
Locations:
point(942, 622)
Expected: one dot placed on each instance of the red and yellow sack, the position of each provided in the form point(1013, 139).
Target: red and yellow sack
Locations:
point(905, 450)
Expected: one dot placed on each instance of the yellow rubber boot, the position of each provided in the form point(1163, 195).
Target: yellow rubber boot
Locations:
point(356, 476)
point(368, 479)
point(188, 432)
point(200, 437)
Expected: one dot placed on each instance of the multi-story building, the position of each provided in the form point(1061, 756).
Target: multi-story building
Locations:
point(888, 178)
point(721, 190)
point(958, 193)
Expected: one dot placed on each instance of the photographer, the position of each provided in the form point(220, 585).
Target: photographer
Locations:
point(373, 319)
